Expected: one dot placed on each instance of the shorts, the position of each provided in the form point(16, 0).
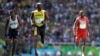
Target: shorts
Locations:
point(80, 37)
point(12, 34)
point(39, 30)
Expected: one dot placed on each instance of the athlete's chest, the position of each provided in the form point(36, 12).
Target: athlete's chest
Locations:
point(38, 13)
point(13, 21)
point(82, 23)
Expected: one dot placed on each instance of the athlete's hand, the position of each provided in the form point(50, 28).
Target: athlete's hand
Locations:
point(74, 35)
point(18, 29)
point(88, 34)
point(43, 22)
point(33, 24)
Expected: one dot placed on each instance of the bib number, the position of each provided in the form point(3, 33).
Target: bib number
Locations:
point(13, 26)
point(82, 25)
point(38, 20)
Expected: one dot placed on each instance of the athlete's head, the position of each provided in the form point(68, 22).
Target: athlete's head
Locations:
point(81, 13)
point(39, 6)
point(12, 13)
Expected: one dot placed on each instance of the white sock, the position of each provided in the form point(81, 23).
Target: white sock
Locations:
point(83, 54)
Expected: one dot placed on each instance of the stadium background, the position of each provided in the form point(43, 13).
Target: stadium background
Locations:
point(59, 30)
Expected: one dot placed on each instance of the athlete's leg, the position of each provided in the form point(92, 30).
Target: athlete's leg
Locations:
point(8, 40)
point(35, 45)
point(77, 40)
point(35, 39)
point(42, 33)
point(84, 39)
point(83, 45)
point(8, 44)
point(15, 44)
point(14, 41)
point(42, 37)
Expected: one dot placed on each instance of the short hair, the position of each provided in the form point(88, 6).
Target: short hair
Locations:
point(12, 11)
point(81, 11)
point(39, 3)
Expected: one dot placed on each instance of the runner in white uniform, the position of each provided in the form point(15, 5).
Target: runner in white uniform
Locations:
point(13, 25)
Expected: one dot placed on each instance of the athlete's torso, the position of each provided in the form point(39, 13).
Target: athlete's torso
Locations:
point(39, 17)
point(13, 24)
point(82, 24)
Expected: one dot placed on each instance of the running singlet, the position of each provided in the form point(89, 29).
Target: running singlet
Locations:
point(39, 17)
point(82, 25)
point(13, 24)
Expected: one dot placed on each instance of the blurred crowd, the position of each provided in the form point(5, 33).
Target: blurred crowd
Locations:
point(62, 16)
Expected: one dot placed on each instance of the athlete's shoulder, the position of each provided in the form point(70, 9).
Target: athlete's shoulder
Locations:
point(77, 18)
point(44, 10)
point(8, 18)
point(86, 17)
point(18, 17)
point(34, 11)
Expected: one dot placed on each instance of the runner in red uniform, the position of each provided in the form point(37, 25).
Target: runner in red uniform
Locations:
point(80, 29)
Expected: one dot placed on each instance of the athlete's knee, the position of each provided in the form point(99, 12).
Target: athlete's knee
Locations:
point(8, 41)
point(35, 36)
point(84, 43)
point(15, 40)
point(42, 34)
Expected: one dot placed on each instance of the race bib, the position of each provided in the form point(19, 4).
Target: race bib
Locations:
point(13, 26)
point(82, 25)
point(38, 20)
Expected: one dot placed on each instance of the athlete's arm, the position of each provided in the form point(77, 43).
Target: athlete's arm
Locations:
point(74, 26)
point(32, 19)
point(88, 25)
point(6, 26)
point(20, 23)
point(46, 16)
